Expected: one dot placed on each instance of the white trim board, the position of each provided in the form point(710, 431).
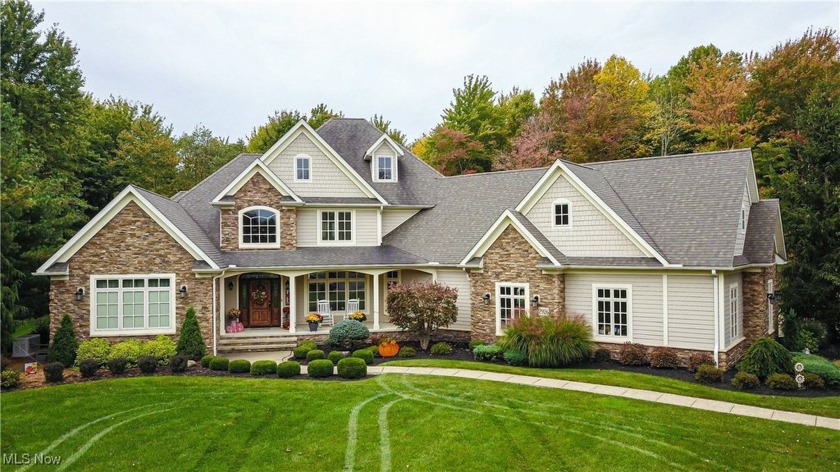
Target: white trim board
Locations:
point(256, 167)
point(506, 219)
point(128, 195)
point(397, 149)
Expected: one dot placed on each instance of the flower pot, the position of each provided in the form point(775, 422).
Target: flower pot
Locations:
point(313, 326)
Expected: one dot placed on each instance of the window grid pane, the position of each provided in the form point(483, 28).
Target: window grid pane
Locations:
point(561, 214)
point(259, 227)
point(612, 312)
point(132, 303)
point(512, 303)
point(328, 226)
point(302, 168)
point(385, 167)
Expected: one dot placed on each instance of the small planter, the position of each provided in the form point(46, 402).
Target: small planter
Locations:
point(313, 326)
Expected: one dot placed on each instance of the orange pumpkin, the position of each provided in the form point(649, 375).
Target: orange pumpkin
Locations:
point(388, 349)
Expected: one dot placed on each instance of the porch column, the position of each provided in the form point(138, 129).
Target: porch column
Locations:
point(292, 304)
point(376, 279)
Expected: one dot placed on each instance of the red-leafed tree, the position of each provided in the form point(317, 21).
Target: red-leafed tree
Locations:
point(422, 308)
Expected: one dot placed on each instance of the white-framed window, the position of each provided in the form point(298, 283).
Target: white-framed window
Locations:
point(384, 169)
point(562, 213)
point(511, 303)
point(743, 224)
point(303, 168)
point(611, 312)
point(335, 227)
point(337, 287)
point(259, 227)
point(123, 305)
point(734, 311)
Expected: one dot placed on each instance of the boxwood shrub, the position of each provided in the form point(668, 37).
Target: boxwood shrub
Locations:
point(321, 368)
point(264, 367)
point(335, 356)
point(129, 350)
point(96, 349)
point(219, 363)
point(352, 368)
point(148, 364)
point(314, 354)
point(161, 348)
point(88, 368)
point(708, 373)
point(780, 381)
point(178, 364)
point(288, 369)
point(487, 352)
point(117, 365)
point(54, 372)
point(364, 354)
point(239, 366)
point(206, 360)
point(441, 349)
point(407, 351)
point(304, 348)
point(745, 381)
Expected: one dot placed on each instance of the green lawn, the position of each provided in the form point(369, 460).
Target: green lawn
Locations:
point(391, 422)
point(822, 406)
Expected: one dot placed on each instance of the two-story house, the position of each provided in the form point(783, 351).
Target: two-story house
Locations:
point(674, 251)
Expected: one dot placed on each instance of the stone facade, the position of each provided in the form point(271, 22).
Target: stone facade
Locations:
point(448, 335)
point(682, 354)
point(511, 259)
point(755, 312)
point(131, 243)
point(258, 192)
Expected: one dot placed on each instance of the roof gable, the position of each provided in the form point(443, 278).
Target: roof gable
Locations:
point(386, 140)
point(531, 235)
point(256, 167)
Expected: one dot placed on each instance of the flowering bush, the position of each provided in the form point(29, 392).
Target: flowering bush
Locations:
point(358, 316)
point(314, 318)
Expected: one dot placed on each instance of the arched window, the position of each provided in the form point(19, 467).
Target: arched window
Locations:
point(259, 227)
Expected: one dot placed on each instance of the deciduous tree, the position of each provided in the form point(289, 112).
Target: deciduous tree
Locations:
point(385, 126)
point(422, 308)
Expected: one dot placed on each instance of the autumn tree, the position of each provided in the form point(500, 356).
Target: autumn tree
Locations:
point(385, 126)
point(532, 147)
point(147, 156)
point(422, 308)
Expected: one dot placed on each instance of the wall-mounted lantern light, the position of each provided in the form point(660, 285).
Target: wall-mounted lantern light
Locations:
point(80, 294)
point(230, 285)
point(183, 291)
point(486, 298)
point(535, 302)
point(775, 296)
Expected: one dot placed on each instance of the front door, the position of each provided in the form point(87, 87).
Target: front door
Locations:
point(259, 302)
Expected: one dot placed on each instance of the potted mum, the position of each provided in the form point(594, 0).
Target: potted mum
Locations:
point(358, 316)
point(314, 319)
point(234, 326)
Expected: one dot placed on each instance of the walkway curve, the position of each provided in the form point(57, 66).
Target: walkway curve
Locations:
point(636, 394)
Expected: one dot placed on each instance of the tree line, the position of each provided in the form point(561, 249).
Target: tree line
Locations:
point(66, 154)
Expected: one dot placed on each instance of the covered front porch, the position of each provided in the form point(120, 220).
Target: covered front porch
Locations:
point(276, 303)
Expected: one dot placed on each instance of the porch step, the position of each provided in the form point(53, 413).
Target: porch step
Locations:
point(256, 342)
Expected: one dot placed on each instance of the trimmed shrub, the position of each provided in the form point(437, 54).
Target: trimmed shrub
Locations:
point(780, 381)
point(206, 360)
point(374, 350)
point(64, 345)
point(602, 355)
point(813, 381)
point(96, 349)
point(309, 343)
point(288, 369)
point(190, 343)
point(632, 354)
point(9, 379)
point(219, 363)
point(696, 359)
point(487, 352)
point(54, 372)
point(264, 367)
point(745, 381)
point(407, 351)
point(364, 354)
point(708, 373)
point(161, 348)
point(336, 356)
point(828, 371)
point(441, 349)
point(348, 333)
point(128, 350)
point(88, 368)
point(239, 366)
point(549, 341)
point(664, 358)
point(766, 357)
point(304, 348)
point(515, 358)
point(321, 368)
point(476, 342)
point(314, 355)
point(352, 368)
point(117, 365)
point(178, 364)
point(148, 364)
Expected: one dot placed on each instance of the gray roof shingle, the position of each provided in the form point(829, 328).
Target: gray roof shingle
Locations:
point(760, 241)
point(324, 257)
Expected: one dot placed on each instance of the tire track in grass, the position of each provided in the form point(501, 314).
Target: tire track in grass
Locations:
point(76, 430)
point(616, 428)
point(353, 431)
point(640, 450)
point(82, 450)
point(385, 436)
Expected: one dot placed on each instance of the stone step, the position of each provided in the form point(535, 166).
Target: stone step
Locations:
point(254, 347)
point(262, 340)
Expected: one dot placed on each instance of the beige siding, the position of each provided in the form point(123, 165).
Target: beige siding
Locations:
point(307, 227)
point(364, 223)
point(231, 295)
point(383, 150)
point(739, 241)
point(691, 312)
point(391, 219)
point(458, 279)
point(366, 228)
point(590, 233)
point(645, 303)
point(328, 180)
point(730, 279)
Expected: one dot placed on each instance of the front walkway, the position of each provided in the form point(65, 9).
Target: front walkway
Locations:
point(636, 394)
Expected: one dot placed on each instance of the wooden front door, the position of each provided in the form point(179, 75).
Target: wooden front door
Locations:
point(259, 302)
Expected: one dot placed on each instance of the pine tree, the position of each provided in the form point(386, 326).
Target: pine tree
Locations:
point(64, 345)
point(190, 343)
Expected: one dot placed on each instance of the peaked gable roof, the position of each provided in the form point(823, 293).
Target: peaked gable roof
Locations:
point(532, 235)
point(256, 167)
point(384, 139)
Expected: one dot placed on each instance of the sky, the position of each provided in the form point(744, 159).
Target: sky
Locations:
point(229, 65)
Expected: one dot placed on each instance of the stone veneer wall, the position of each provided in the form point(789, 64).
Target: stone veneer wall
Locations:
point(511, 259)
point(258, 191)
point(131, 243)
point(755, 312)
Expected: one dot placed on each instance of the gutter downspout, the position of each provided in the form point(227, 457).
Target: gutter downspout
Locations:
point(215, 350)
point(715, 317)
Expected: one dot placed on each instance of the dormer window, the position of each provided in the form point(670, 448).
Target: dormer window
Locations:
point(303, 169)
point(385, 168)
point(562, 213)
point(259, 228)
